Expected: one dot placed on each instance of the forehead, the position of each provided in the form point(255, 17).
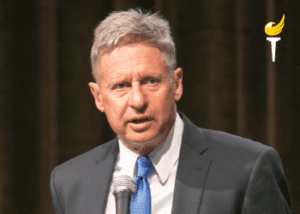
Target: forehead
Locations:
point(133, 58)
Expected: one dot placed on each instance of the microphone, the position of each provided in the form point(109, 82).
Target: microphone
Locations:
point(123, 188)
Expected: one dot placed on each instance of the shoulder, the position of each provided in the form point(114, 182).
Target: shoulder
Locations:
point(223, 147)
point(83, 163)
point(238, 153)
point(219, 143)
point(227, 141)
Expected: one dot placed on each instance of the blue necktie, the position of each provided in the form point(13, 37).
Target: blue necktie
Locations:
point(141, 201)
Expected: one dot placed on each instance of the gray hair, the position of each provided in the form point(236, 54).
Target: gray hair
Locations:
point(122, 28)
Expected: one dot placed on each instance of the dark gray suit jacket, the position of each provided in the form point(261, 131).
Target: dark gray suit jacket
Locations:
point(217, 173)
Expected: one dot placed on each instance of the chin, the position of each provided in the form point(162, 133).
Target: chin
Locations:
point(143, 139)
point(146, 138)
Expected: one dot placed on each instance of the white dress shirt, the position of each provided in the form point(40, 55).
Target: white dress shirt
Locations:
point(162, 181)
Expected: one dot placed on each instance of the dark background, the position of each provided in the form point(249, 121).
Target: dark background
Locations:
point(47, 114)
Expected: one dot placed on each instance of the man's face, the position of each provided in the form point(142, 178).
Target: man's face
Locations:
point(137, 95)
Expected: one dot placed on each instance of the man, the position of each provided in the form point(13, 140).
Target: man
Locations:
point(194, 170)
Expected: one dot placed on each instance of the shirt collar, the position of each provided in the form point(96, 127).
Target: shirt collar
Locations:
point(127, 159)
point(163, 157)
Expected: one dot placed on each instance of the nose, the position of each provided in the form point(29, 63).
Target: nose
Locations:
point(138, 99)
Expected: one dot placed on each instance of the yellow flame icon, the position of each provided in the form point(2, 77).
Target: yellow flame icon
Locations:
point(274, 30)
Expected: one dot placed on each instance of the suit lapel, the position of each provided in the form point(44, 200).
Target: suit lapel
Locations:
point(193, 167)
point(98, 181)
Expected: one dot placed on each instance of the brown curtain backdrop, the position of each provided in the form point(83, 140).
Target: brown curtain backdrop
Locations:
point(47, 114)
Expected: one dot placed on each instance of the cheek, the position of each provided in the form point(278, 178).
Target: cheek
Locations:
point(111, 110)
point(116, 110)
point(164, 103)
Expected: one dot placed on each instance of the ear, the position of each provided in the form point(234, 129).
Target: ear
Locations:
point(177, 81)
point(95, 90)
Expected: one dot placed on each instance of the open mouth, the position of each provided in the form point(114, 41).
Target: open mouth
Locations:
point(140, 121)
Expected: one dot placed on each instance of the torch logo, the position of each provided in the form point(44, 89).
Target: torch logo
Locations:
point(273, 31)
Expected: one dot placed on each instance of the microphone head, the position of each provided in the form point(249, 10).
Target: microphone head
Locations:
point(123, 183)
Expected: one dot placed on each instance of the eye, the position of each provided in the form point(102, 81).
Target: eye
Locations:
point(151, 81)
point(120, 86)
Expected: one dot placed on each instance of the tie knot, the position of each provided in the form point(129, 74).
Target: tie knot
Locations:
point(143, 166)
